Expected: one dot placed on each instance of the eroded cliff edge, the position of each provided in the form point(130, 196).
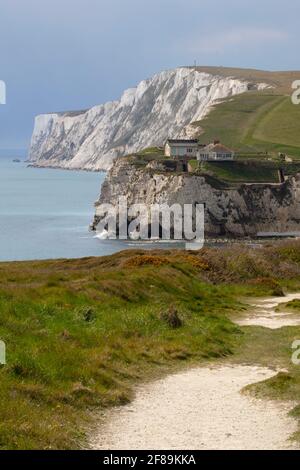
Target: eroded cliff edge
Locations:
point(160, 107)
point(232, 211)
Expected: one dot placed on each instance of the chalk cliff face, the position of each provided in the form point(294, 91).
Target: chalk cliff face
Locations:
point(164, 105)
point(233, 212)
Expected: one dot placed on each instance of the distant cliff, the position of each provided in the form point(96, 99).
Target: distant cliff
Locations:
point(164, 105)
point(238, 211)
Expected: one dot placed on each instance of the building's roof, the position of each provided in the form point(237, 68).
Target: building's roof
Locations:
point(218, 148)
point(182, 141)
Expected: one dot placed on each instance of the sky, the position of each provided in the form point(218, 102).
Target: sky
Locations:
point(58, 55)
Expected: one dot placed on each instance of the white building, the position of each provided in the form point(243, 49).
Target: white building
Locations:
point(181, 148)
point(215, 151)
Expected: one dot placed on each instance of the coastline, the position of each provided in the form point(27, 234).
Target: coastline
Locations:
point(57, 167)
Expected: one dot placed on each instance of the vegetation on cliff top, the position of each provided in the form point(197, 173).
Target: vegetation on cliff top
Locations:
point(79, 333)
point(250, 171)
point(280, 81)
point(261, 123)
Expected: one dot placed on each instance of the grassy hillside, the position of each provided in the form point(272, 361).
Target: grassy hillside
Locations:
point(263, 122)
point(258, 123)
point(281, 125)
point(80, 333)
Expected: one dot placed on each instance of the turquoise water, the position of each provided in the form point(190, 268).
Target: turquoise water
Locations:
point(45, 213)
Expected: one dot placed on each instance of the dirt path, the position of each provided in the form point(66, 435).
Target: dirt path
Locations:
point(204, 408)
point(199, 409)
point(264, 313)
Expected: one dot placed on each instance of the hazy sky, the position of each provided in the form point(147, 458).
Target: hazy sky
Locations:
point(71, 54)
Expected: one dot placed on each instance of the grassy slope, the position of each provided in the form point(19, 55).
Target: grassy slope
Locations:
point(256, 122)
point(281, 125)
point(257, 125)
point(79, 333)
point(250, 171)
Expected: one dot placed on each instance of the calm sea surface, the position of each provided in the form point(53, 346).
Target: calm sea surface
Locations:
point(45, 213)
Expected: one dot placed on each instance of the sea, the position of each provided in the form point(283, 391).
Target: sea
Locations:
point(45, 213)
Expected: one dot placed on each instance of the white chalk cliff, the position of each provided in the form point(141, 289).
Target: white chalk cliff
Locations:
point(160, 107)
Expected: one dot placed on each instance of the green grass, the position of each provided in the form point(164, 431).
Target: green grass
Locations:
point(81, 333)
point(243, 171)
point(257, 125)
point(273, 348)
point(142, 158)
point(194, 165)
point(255, 122)
point(151, 151)
point(281, 125)
point(249, 171)
point(292, 306)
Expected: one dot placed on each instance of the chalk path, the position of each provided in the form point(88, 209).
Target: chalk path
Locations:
point(264, 313)
point(203, 408)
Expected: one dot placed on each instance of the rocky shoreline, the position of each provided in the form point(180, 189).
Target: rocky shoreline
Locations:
point(239, 211)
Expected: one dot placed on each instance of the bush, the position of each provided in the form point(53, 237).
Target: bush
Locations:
point(87, 314)
point(270, 284)
point(171, 318)
point(146, 260)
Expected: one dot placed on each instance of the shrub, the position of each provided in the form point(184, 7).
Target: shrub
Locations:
point(270, 284)
point(87, 314)
point(196, 262)
point(171, 318)
point(145, 260)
